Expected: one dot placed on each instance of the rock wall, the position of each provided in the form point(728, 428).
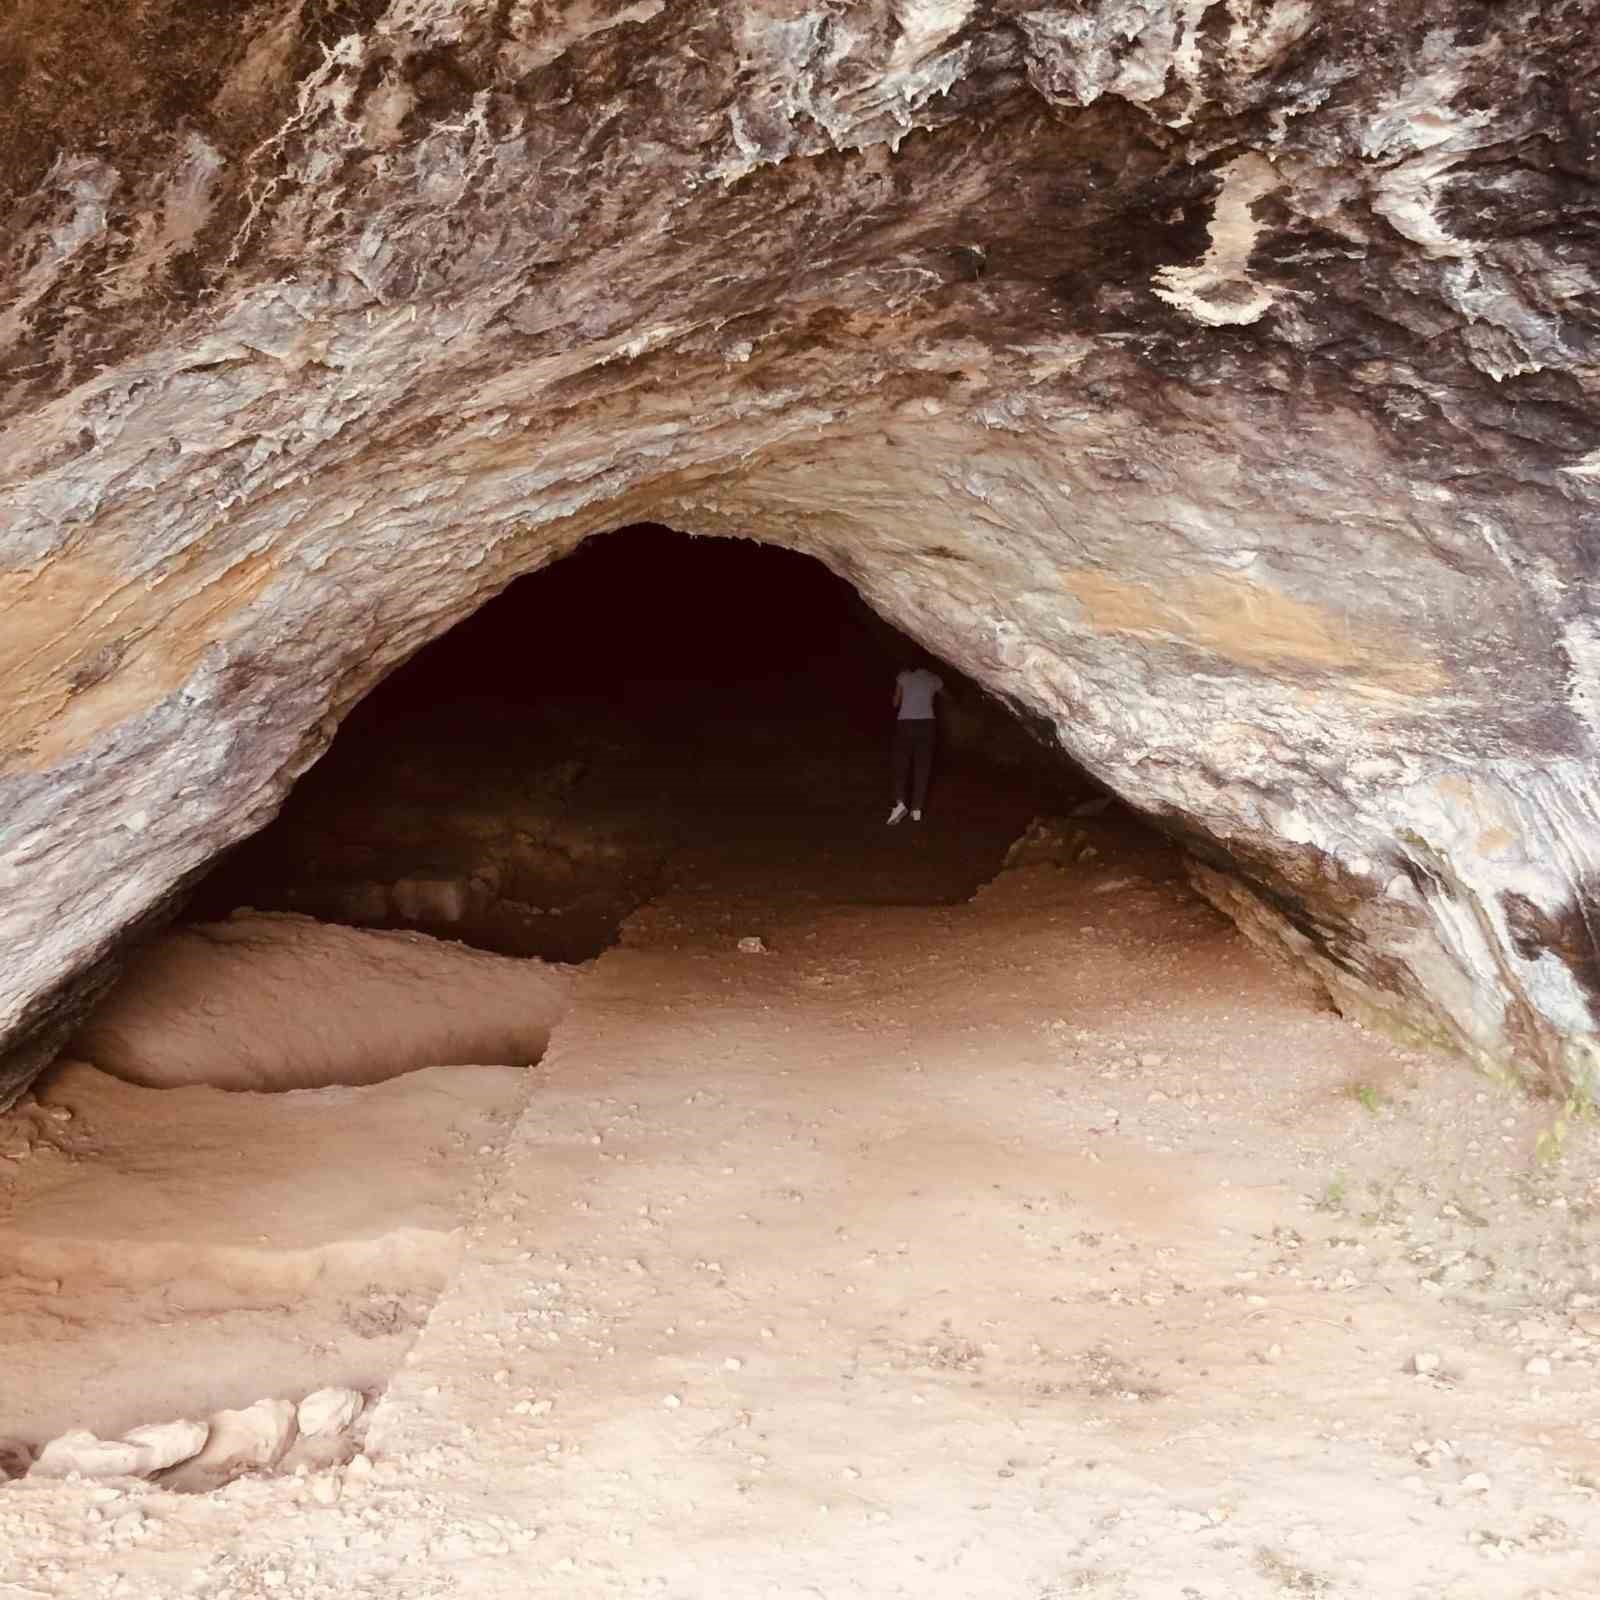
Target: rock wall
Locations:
point(1213, 378)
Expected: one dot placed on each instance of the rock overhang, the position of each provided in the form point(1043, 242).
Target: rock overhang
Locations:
point(1213, 380)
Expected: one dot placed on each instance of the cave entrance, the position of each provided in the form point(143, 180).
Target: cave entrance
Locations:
point(681, 744)
point(612, 724)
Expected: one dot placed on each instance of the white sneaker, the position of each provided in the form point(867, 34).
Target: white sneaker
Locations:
point(898, 813)
point(916, 816)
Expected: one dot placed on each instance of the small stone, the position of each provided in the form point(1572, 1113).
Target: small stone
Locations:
point(1425, 1362)
point(81, 1452)
point(328, 1411)
point(1152, 1058)
point(323, 1488)
point(672, 1401)
point(241, 1441)
point(752, 945)
point(165, 1444)
point(15, 1458)
point(1537, 1367)
point(1476, 1483)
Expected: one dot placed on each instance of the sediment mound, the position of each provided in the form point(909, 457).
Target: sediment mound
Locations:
point(269, 1001)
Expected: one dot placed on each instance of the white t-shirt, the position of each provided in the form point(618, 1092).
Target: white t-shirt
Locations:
point(918, 686)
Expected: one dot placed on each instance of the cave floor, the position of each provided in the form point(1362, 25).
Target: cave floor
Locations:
point(1048, 1244)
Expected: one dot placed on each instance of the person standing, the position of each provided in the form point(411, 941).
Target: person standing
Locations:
point(915, 690)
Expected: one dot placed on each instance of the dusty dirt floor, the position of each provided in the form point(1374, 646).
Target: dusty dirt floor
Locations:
point(1043, 1245)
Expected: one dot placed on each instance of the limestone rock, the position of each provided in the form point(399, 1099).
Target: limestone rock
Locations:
point(330, 1432)
point(165, 1444)
point(81, 1452)
point(1218, 387)
point(328, 1411)
point(252, 1440)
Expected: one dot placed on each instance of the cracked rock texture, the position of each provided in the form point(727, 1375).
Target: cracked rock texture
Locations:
point(1213, 378)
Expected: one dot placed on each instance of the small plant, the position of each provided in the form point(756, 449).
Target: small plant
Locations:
point(1290, 1578)
point(1366, 1096)
point(1333, 1196)
point(1548, 1147)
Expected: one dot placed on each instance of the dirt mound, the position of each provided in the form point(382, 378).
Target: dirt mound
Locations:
point(266, 1001)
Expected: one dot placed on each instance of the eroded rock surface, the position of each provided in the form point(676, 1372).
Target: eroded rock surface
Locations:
point(1216, 380)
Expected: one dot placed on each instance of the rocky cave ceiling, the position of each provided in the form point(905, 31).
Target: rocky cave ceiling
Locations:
point(1215, 379)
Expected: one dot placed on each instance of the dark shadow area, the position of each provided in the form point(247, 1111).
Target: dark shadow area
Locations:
point(533, 775)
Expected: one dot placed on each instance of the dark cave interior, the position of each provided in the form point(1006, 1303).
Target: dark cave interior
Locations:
point(526, 779)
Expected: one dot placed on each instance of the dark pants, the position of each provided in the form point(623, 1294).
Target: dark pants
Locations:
point(913, 760)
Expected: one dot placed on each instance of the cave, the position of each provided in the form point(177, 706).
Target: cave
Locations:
point(529, 778)
point(1205, 387)
point(1213, 385)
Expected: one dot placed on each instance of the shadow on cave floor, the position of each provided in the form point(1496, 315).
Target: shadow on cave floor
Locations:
point(653, 709)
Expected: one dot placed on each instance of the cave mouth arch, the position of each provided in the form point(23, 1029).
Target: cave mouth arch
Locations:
point(1262, 419)
point(528, 778)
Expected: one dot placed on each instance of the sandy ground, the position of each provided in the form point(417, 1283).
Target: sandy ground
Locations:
point(1048, 1245)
